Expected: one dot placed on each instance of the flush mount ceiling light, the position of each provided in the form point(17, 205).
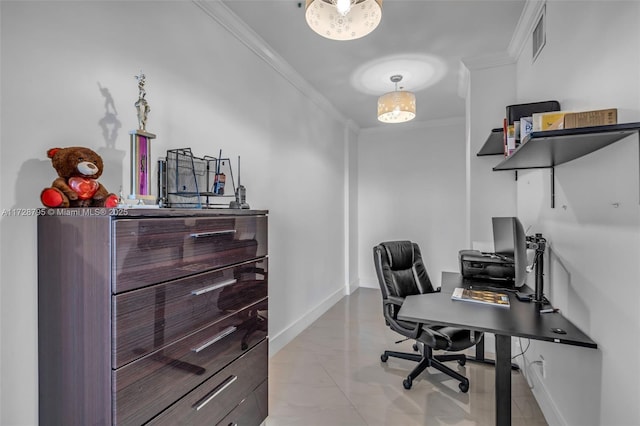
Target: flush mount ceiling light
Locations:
point(343, 19)
point(398, 106)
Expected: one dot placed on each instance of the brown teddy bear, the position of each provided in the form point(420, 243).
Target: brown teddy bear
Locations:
point(77, 186)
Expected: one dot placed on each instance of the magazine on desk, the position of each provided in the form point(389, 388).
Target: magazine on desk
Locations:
point(481, 296)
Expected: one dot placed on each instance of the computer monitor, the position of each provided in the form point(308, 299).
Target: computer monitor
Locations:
point(509, 240)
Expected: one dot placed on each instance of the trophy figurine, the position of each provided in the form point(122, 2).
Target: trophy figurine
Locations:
point(141, 104)
point(141, 150)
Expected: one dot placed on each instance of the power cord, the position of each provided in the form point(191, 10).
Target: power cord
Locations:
point(522, 351)
point(526, 365)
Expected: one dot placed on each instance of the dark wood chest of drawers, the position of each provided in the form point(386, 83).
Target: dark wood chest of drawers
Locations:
point(152, 316)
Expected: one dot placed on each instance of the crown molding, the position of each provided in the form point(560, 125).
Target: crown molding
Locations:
point(524, 28)
point(491, 60)
point(224, 16)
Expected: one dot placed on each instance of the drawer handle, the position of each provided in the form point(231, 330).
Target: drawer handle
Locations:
point(213, 287)
point(212, 233)
point(224, 333)
point(204, 401)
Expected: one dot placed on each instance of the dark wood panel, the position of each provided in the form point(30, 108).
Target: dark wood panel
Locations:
point(152, 250)
point(80, 260)
point(74, 320)
point(214, 399)
point(147, 319)
point(246, 414)
point(262, 398)
point(147, 386)
point(181, 213)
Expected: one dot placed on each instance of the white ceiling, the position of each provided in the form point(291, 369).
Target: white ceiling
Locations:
point(448, 30)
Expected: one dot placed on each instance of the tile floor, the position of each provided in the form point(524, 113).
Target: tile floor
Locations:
point(331, 375)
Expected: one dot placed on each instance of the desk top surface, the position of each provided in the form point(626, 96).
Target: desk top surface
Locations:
point(521, 319)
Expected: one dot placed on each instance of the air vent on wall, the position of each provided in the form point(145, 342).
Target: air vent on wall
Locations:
point(539, 36)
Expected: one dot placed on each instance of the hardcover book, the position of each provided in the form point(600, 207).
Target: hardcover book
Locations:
point(481, 296)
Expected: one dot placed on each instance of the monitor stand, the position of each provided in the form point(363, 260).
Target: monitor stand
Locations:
point(540, 245)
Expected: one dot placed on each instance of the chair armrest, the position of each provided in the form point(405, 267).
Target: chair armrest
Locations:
point(429, 336)
point(389, 315)
point(394, 300)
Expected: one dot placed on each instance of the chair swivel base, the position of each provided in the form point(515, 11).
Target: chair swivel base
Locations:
point(430, 361)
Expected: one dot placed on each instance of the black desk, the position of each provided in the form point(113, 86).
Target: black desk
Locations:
point(521, 320)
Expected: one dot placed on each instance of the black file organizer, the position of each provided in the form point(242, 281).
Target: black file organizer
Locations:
point(190, 180)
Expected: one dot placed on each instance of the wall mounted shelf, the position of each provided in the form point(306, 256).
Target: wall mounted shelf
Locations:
point(494, 145)
point(554, 147)
point(545, 150)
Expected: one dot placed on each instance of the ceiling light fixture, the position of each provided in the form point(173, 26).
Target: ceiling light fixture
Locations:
point(343, 19)
point(398, 106)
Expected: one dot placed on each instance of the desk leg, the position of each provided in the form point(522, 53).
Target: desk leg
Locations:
point(503, 380)
point(480, 351)
point(479, 357)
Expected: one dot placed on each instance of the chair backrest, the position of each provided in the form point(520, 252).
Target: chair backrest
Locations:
point(400, 269)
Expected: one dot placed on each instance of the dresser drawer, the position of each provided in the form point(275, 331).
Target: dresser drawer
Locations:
point(145, 387)
point(250, 412)
point(149, 318)
point(153, 250)
point(209, 403)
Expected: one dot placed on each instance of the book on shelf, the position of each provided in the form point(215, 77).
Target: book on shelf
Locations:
point(504, 137)
point(549, 121)
point(601, 117)
point(481, 296)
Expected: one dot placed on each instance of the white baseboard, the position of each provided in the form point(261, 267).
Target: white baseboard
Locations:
point(280, 340)
point(369, 283)
point(353, 286)
point(549, 409)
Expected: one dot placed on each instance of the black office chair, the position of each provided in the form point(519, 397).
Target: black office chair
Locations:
point(402, 273)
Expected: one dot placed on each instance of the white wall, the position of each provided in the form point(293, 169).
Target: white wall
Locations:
point(411, 185)
point(208, 91)
point(488, 194)
point(352, 215)
point(591, 60)
point(491, 88)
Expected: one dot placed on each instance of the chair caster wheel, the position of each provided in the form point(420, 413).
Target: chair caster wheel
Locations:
point(407, 383)
point(464, 387)
point(384, 357)
point(462, 362)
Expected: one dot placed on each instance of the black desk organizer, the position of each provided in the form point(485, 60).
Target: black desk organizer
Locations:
point(188, 181)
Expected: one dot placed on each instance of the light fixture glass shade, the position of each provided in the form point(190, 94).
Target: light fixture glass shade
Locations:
point(362, 18)
point(397, 107)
